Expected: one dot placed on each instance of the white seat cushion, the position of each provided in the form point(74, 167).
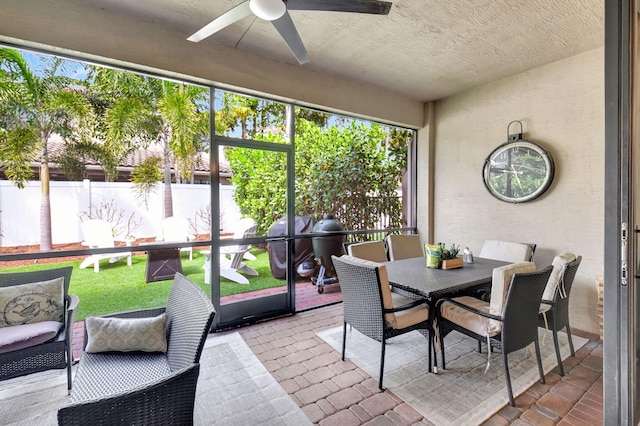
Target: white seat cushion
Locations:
point(506, 251)
point(560, 263)
point(469, 320)
point(500, 282)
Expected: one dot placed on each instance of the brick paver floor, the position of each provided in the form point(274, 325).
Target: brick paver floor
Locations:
point(334, 392)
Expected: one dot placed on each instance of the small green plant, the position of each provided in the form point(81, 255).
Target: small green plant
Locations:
point(450, 253)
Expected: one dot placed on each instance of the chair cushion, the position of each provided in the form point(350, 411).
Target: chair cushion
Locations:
point(28, 335)
point(374, 251)
point(506, 251)
point(126, 334)
point(473, 322)
point(500, 282)
point(32, 303)
point(390, 300)
point(409, 317)
point(404, 247)
point(560, 263)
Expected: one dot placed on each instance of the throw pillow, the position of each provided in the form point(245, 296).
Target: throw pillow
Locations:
point(126, 334)
point(32, 303)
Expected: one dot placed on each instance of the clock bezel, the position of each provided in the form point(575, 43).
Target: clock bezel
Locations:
point(514, 146)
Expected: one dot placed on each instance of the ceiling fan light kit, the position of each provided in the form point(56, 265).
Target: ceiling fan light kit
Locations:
point(276, 11)
point(269, 10)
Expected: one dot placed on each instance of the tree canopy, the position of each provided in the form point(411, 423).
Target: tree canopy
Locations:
point(353, 171)
point(351, 168)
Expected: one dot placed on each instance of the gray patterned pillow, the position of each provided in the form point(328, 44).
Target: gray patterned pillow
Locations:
point(32, 303)
point(126, 334)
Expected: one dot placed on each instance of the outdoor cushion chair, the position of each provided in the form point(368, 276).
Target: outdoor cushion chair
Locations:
point(142, 367)
point(508, 322)
point(404, 246)
point(99, 234)
point(37, 322)
point(374, 251)
point(371, 308)
point(176, 229)
point(554, 309)
point(507, 251)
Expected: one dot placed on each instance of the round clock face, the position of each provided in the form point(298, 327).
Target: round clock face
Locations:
point(518, 171)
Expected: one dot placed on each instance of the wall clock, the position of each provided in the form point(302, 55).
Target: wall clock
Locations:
point(518, 170)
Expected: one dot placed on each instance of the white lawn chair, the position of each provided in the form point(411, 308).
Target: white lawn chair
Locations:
point(99, 234)
point(232, 267)
point(176, 229)
point(240, 229)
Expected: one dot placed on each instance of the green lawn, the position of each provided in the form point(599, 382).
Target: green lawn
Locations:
point(119, 288)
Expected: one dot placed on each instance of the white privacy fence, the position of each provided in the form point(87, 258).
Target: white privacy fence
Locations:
point(20, 209)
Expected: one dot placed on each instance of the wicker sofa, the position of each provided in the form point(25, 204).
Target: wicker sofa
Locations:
point(135, 387)
point(26, 345)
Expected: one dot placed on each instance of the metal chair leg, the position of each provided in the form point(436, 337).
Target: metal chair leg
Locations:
point(539, 359)
point(557, 347)
point(568, 328)
point(344, 338)
point(382, 362)
point(508, 377)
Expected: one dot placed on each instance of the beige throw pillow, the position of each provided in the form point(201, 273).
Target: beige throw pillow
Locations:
point(126, 334)
point(32, 303)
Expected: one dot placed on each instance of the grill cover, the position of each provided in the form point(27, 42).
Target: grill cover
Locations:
point(278, 250)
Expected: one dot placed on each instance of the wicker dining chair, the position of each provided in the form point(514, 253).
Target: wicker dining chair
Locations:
point(371, 308)
point(54, 353)
point(508, 322)
point(554, 309)
point(374, 251)
point(404, 246)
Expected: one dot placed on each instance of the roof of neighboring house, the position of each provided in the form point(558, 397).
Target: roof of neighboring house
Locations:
point(94, 169)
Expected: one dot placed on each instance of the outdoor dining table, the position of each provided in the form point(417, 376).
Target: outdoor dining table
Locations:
point(412, 275)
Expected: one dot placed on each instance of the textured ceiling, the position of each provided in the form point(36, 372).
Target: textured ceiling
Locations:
point(424, 49)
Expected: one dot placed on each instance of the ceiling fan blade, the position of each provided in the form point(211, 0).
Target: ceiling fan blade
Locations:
point(357, 6)
point(288, 31)
point(240, 11)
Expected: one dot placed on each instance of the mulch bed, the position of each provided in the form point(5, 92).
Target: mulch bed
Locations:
point(61, 247)
point(56, 247)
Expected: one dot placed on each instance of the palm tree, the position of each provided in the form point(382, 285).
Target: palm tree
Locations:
point(143, 110)
point(34, 106)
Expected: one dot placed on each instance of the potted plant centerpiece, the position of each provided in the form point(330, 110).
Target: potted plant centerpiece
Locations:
point(449, 257)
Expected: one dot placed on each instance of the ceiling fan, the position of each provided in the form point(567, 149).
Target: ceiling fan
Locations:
point(276, 11)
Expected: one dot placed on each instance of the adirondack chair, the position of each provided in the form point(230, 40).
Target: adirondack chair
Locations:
point(176, 229)
point(232, 266)
point(99, 234)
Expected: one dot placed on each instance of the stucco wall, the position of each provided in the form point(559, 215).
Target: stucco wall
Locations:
point(561, 106)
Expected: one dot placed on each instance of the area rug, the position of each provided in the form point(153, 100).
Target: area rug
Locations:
point(234, 388)
point(460, 395)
